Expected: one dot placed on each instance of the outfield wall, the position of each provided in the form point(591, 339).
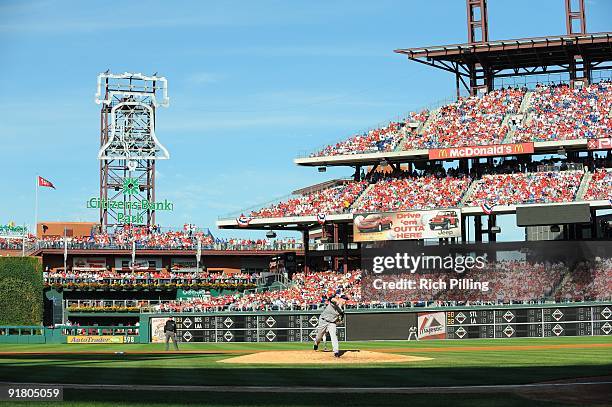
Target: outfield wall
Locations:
point(537, 321)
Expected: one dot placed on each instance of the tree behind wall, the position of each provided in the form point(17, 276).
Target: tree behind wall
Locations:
point(21, 291)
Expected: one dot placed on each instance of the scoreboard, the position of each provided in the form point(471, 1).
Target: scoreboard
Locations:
point(249, 328)
point(529, 322)
point(459, 323)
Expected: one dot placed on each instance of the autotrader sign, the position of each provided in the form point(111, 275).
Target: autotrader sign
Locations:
point(433, 224)
point(480, 151)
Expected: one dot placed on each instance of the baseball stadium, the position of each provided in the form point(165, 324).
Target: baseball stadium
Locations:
point(462, 255)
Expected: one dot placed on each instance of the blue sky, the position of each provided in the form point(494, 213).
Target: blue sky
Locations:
point(252, 85)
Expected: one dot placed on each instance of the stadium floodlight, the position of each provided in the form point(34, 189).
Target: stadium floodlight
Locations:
point(270, 234)
point(555, 229)
point(322, 169)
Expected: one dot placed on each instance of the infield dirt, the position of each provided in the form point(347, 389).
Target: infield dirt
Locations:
point(302, 357)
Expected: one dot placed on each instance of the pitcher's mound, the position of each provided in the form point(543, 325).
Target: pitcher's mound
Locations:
point(305, 357)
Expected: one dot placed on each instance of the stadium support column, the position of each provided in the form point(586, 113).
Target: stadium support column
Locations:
point(491, 222)
point(575, 15)
point(344, 236)
point(478, 228)
point(593, 223)
point(477, 21)
point(335, 245)
point(305, 239)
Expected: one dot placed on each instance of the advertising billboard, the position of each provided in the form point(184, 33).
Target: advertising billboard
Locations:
point(434, 224)
point(600, 144)
point(494, 150)
point(432, 325)
point(89, 263)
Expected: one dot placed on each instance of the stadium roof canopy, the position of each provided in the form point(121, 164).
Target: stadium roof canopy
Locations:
point(517, 57)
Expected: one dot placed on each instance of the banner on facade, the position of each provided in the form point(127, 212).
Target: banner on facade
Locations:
point(494, 150)
point(433, 224)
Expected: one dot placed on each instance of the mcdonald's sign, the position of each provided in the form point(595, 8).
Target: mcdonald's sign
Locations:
point(493, 150)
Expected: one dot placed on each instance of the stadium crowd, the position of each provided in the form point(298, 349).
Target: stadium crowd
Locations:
point(509, 282)
point(155, 238)
point(559, 112)
point(554, 112)
point(522, 188)
point(600, 186)
point(306, 291)
point(590, 281)
point(409, 192)
point(161, 276)
point(336, 199)
point(474, 120)
point(386, 138)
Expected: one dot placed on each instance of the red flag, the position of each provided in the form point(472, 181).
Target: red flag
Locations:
point(45, 183)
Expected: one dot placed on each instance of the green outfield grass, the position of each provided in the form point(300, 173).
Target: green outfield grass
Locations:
point(452, 365)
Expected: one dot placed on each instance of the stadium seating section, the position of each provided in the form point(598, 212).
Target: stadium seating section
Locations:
point(555, 112)
point(336, 199)
point(564, 113)
point(510, 282)
point(406, 193)
point(169, 240)
point(522, 188)
point(600, 186)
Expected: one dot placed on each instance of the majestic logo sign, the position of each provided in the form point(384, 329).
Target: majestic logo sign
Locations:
point(600, 144)
point(432, 325)
point(480, 151)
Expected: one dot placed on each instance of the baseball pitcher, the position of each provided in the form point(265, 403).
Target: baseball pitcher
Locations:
point(331, 315)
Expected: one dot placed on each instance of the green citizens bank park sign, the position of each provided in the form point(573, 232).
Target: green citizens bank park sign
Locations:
point(130, 188)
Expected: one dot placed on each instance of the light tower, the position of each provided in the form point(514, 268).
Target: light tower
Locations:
point(129, 146)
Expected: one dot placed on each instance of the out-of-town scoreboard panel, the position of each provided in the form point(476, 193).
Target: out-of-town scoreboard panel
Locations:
point(249, 328)
point(529, 322)
point(467, 323)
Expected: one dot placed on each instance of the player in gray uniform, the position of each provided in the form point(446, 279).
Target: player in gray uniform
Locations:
point(331, 315)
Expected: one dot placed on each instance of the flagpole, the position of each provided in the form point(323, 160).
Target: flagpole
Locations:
point(36, 210)
point(23, 240)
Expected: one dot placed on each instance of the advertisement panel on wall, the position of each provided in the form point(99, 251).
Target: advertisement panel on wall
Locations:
point(99, 339)
point(89, 263)
point(183, 264)
point(408, 225)
point(157, 330)
point(495, 150)
point(432, 325)
point(143, 263)
point(600, 144)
